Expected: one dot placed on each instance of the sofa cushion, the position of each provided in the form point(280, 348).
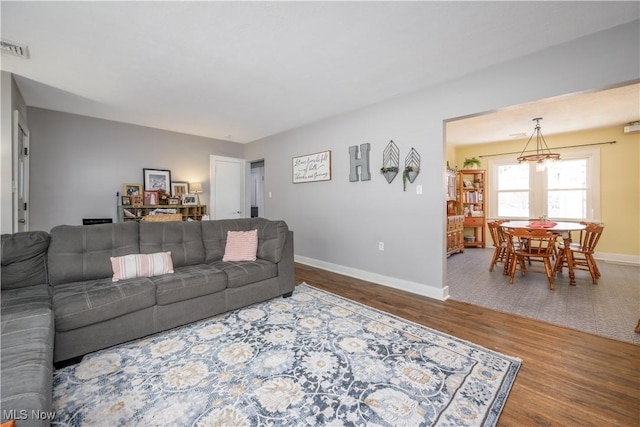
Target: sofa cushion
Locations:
point(188, 282)
point(182, 238)
point(26, 355)
point(272, 236)
point(241, 273)
point(241, 246)
point(16, 302)
point(24, 259)
point(80, 304)
point(141, 265)
point(79, 253)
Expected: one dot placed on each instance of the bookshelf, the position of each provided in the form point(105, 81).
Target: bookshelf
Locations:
point(455, 222)
point(472, 204)
point(135, 213)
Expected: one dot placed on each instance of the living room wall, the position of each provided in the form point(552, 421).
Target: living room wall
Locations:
point(339, 223)
point(619, 182)
point(78, 163)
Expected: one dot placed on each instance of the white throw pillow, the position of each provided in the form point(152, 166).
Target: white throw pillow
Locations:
point(141, 265)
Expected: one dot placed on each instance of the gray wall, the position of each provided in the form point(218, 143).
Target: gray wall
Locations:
point(78, 163)
point(338, 224)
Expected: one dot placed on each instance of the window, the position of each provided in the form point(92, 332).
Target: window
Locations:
point(567, 190)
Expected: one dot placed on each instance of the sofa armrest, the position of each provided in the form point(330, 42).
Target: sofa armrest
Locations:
point(24, 259)
point(286, 268)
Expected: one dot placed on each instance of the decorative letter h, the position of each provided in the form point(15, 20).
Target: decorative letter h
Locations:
point(363, 162)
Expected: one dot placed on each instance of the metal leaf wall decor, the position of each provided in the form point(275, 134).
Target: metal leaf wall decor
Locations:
point(411, 167)
point(390, 161)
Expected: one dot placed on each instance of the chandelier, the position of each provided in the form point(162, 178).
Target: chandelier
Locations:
point(543, 156)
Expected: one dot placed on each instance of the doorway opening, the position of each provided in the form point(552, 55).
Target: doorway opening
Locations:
point(257, 188)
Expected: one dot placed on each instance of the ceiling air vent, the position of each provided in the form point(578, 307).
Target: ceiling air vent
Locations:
point(13, 48)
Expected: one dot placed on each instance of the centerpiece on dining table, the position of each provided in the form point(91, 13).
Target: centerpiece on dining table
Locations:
point(542, 222)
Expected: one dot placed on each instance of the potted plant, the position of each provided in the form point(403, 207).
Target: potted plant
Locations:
point(471, 163)
point(163, 197)
point(389, 172)
point(389, 169)
point(410, 173)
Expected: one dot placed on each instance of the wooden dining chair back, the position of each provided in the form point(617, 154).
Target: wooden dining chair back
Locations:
point(531, 244)
point(583, 251)
point(499, 238)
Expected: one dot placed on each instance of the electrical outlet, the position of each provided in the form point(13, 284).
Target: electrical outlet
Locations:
point(269, 194)
point(418, 189)
point(381, 246)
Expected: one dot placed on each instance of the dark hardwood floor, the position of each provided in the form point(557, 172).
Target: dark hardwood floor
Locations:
point(567, 378)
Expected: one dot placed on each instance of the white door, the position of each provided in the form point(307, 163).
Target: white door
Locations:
point(227, 188)
point(21, 198)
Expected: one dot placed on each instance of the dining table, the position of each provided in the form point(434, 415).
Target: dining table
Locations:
point(561, 228)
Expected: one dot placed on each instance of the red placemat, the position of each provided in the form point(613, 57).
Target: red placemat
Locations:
point(546, 224)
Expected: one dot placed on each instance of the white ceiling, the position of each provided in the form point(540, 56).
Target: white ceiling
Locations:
point(570, 113)
point(241, 71)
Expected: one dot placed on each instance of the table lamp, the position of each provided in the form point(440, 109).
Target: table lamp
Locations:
point(196, 188)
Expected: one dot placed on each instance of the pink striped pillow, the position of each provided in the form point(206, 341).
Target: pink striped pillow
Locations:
point(141, 265)
point(241, 246)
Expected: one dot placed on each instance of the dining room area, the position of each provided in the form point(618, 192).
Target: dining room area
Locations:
point(551, 229)
point(608, 308)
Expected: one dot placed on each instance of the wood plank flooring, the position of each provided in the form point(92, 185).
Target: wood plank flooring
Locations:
point(567, 377)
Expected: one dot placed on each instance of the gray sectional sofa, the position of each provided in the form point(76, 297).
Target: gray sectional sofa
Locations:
point(59, 301)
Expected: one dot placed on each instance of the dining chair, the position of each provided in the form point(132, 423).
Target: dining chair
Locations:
point(582, 251)
point(499, 238)
point(555, 247)
point(531, 244)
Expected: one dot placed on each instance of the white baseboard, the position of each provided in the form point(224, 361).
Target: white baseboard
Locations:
point(392, 282)
point(618, 258)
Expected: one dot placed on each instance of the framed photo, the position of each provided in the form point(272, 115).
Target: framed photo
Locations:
point(312, 167)
point(150, 197)
point(189, 200)
point(126, 200)
point(131, 189)
point(174, 200)
point(179, 188)
point(156, 179)
point(136, 200)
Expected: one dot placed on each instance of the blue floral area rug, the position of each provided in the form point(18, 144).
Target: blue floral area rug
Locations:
point(313, 359)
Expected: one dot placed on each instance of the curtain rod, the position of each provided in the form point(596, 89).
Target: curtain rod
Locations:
point(554, 148)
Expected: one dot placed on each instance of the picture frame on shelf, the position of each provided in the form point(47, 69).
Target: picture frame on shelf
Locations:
point(150, 198)
point(189, 200)
point(179, 188)
point(136, 200)
point(156, 179)
point(174, 200)
point(126, 200)
point(131, 189)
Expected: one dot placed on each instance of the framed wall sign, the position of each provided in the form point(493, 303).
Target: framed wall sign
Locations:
point(312, 167)
point(157, 179)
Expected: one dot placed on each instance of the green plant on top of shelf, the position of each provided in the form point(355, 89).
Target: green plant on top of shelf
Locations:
point(471, 163)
